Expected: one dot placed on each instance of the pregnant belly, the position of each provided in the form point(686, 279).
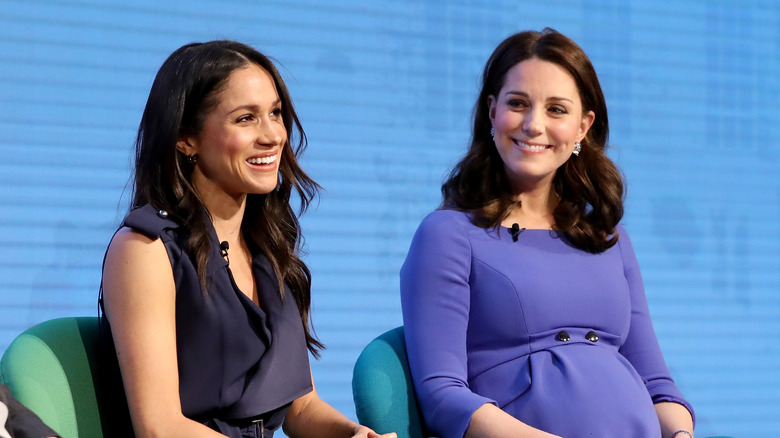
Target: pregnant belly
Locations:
point(577, 391)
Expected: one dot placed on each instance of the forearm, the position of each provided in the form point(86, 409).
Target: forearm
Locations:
point(491, 422)
point(311, 417)
point(173, 428)
point(673, 417)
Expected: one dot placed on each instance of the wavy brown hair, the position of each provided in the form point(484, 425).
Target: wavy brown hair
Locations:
point(589, 187)
point(185, 89)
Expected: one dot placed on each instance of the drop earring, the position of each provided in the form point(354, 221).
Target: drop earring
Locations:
point(493, 132)
point(577, 148)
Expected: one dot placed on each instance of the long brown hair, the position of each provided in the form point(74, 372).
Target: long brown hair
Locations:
point(184, 91)
point(589, 187)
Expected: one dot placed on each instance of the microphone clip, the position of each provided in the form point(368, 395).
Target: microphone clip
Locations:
point(223, 250)
point(516, 230)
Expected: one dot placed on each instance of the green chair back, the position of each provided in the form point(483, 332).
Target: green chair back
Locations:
point(51, 369)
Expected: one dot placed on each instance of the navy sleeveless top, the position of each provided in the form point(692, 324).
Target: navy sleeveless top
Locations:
point(237, 361)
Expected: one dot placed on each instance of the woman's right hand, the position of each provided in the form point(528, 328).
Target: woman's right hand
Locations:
point(365, 432)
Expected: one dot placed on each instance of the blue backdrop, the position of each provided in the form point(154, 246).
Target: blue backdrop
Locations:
point(385, 90)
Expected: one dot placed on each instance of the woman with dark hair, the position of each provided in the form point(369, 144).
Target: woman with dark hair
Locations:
point(523, 304)
point(206, 301)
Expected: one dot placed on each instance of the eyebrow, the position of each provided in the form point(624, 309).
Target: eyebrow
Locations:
point(254, 107)
point(554, 98)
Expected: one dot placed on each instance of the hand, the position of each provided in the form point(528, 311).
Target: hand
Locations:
point(364, 432)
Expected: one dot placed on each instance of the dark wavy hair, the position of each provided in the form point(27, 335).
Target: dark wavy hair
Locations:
point(589, 187)
point(185, 89)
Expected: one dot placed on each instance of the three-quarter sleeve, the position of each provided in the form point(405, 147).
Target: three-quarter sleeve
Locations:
point(641, 346)
point(435, 297)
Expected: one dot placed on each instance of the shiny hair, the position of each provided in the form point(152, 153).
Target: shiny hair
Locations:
point(589, 186)
point(186, 88)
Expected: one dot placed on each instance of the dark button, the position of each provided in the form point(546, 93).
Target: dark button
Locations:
point(563, 336)
point(163, 214)
point(592, 336)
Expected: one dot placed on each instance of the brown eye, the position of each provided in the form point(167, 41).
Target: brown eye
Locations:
point(558, 110)
point(516, 103)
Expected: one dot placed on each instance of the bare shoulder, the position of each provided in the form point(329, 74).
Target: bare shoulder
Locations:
point(127, 239)
point(136, 267)
point(130, 249)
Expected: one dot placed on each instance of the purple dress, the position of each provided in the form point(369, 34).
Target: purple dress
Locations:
point(557, 337)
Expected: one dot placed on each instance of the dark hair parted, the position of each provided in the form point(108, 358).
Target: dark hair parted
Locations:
point(185, 89)
point(589, 186)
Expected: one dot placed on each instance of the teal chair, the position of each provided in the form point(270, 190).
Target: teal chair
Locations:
point(382, 388)
point(51, 369)
point(383, 391)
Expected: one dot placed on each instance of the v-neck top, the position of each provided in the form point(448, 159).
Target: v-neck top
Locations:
point(236, 360)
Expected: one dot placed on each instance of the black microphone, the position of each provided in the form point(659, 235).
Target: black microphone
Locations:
point(223, 247)
point(516, 230)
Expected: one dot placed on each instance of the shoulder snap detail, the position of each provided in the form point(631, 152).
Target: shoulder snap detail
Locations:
point(149, 221)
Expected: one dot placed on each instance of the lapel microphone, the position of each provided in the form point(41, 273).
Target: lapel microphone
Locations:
point(224, 246)
point(516, 230)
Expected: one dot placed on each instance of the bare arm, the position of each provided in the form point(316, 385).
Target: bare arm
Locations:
point(140, 296)
point(489, 421)
point(673, 417)
point(310, 417)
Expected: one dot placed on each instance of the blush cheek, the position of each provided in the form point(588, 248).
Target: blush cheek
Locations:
point(237, 146)
point(506, 124)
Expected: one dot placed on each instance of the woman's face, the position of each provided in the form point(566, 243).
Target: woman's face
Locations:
point(537, 116)
point(240, 145)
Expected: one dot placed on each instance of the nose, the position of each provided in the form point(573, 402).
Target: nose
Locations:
point(270, 133)
point(532, 123)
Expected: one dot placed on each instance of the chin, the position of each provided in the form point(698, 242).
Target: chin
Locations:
point(261, 192)
point(263, 187)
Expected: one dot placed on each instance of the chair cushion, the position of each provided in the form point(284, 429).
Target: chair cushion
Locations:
point(382, 387)
point(49, 368)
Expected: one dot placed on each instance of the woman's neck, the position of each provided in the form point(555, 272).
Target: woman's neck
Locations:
point(226, 211)
point(535, 209)
point(227, 222)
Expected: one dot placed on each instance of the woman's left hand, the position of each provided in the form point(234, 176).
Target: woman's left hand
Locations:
point(364, 432)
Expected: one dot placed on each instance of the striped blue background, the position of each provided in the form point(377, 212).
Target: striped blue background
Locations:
point(385, 90)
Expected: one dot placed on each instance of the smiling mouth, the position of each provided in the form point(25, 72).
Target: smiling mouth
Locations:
point(262, 160)
point(530, 147)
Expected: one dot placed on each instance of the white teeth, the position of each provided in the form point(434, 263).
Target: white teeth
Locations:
point(532, 148)
point(262, 160)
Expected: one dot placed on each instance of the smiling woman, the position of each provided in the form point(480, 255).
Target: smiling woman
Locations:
point(241, 138)
point(537, 119)
point(206, 344)
point(524, 310)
